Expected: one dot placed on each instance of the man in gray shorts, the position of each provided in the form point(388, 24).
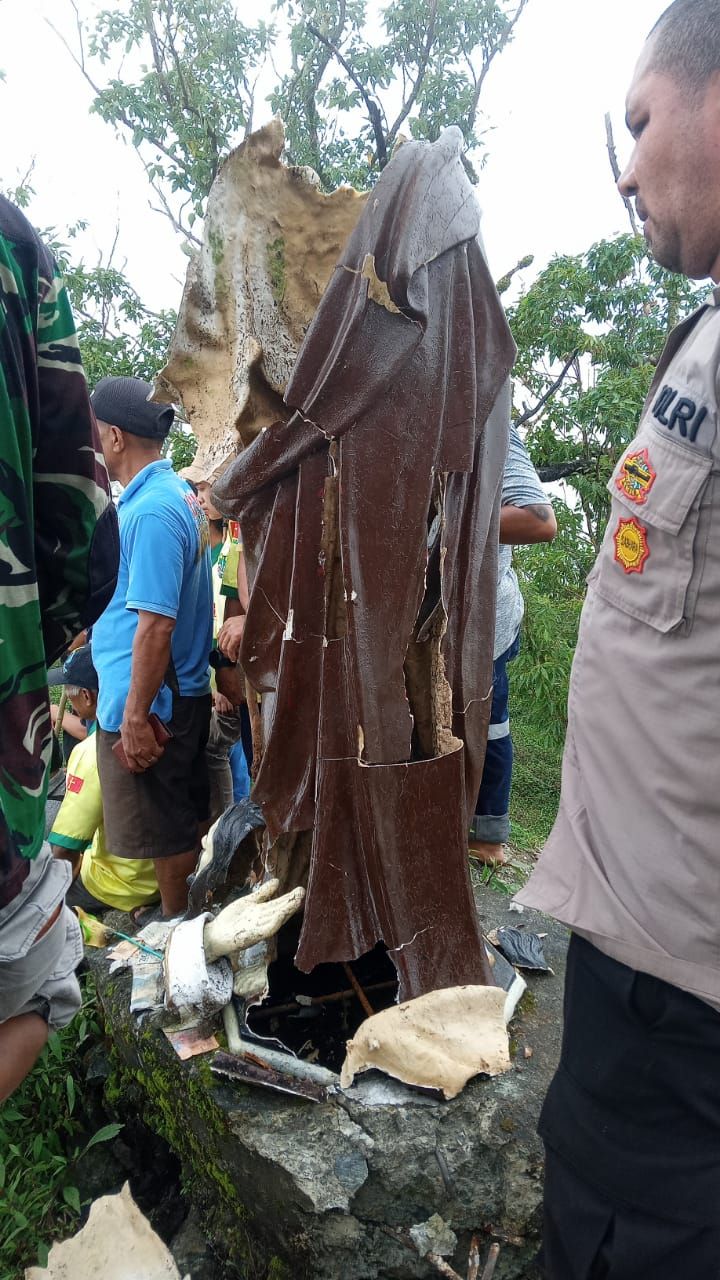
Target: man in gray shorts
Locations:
point(151, 648)
point(58, 564)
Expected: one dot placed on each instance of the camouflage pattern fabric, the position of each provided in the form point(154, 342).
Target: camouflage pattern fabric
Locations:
point(58, 528)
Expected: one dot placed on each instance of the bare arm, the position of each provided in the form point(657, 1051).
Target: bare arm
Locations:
point(231, 633)
point(71, 723)
point(73, 856)
point(150, 661)
point(525, 525)
point(242, 584)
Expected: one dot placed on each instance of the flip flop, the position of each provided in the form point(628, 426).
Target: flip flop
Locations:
point(148, 914)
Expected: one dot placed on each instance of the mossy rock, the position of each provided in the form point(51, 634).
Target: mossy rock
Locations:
point(284, 1187)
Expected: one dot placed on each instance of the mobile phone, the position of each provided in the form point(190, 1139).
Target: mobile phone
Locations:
point(162, 736)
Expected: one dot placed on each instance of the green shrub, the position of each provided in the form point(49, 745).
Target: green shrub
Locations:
point(552, 580)
point(44, 1131)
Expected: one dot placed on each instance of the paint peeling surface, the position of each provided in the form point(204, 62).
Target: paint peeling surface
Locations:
point(382, 489)
point(270, 243)
point(439, 1041)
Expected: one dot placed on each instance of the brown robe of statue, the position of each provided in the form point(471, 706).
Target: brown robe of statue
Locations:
point(370, 524)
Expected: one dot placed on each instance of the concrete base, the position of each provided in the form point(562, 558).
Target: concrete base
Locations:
point(318, 1192)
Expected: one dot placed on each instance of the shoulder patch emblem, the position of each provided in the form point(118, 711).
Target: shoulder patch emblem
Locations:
point(73, 783)
point(631, 546)
point(637, 477)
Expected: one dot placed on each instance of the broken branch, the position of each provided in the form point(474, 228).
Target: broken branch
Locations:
point(442, 1266)
point(612, 154)
point(276, 1010)
point(474, 1259)
point(491, 1263)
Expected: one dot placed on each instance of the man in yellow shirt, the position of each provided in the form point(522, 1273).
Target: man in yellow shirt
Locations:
point(78, 833)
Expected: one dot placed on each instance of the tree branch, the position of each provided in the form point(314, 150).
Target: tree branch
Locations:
point(157, 56)
point(532, 413)
point(563, 470)
point(124, 119)
point(487, 63)
point(178, 226)
point(372, 107)
point(122, 115)
point(503, 284)
point(612, 155)
point(191, 110)
point(422, 68)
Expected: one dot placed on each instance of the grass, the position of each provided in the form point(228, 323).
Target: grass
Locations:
point(533, 806)
point(536, 784)
point(508, 878)
point(44, 1133)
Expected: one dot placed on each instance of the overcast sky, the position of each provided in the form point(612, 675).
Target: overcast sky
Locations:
point(547, 187)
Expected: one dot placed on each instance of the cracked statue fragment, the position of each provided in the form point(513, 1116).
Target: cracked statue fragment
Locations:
point(117, 1243)
point(363, 373)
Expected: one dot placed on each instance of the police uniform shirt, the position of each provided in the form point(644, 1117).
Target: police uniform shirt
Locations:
point(633, 861)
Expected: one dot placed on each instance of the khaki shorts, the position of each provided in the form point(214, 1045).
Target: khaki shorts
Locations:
point(39, 977)
point(157, 814)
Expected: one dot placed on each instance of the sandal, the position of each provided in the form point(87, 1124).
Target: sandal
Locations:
point(148, 914)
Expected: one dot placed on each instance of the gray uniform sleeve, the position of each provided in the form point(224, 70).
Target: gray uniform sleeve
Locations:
point(521, 485)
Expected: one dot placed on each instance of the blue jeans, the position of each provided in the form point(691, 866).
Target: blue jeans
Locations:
point(240, 773)
point(492, 819)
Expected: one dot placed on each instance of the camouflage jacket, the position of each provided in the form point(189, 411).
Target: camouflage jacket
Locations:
point(58, 528)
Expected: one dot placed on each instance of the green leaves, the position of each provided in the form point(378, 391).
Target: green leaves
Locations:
point(195, 90)
point(44, 1133)
point(193, 95)
point(106, 1134)
point(118, 334)
point(424, 71)
point(71, 1196)
point(614, 307)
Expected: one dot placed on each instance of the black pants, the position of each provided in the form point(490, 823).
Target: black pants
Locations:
point(587, 1237)
point(631, 1126)
point(78, 896)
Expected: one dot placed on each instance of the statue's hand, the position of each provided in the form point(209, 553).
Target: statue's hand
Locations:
point(250, 920)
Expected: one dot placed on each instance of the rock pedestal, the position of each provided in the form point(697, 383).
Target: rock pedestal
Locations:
point(287, 1188)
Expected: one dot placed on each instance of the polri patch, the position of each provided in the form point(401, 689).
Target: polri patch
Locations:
point(637, 476)
point(631, 546)
point(74, 783)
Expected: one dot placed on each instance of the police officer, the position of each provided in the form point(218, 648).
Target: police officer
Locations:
point(631, 1123)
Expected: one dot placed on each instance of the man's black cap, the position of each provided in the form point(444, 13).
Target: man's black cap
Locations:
point(77, 670)
point(124, 403)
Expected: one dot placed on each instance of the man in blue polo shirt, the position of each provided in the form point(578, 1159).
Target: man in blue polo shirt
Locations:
point(151, 647)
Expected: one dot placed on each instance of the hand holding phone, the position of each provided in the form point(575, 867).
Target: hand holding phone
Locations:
point(147, 745)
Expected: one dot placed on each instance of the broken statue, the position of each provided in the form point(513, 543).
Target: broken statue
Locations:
point(368, 499)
